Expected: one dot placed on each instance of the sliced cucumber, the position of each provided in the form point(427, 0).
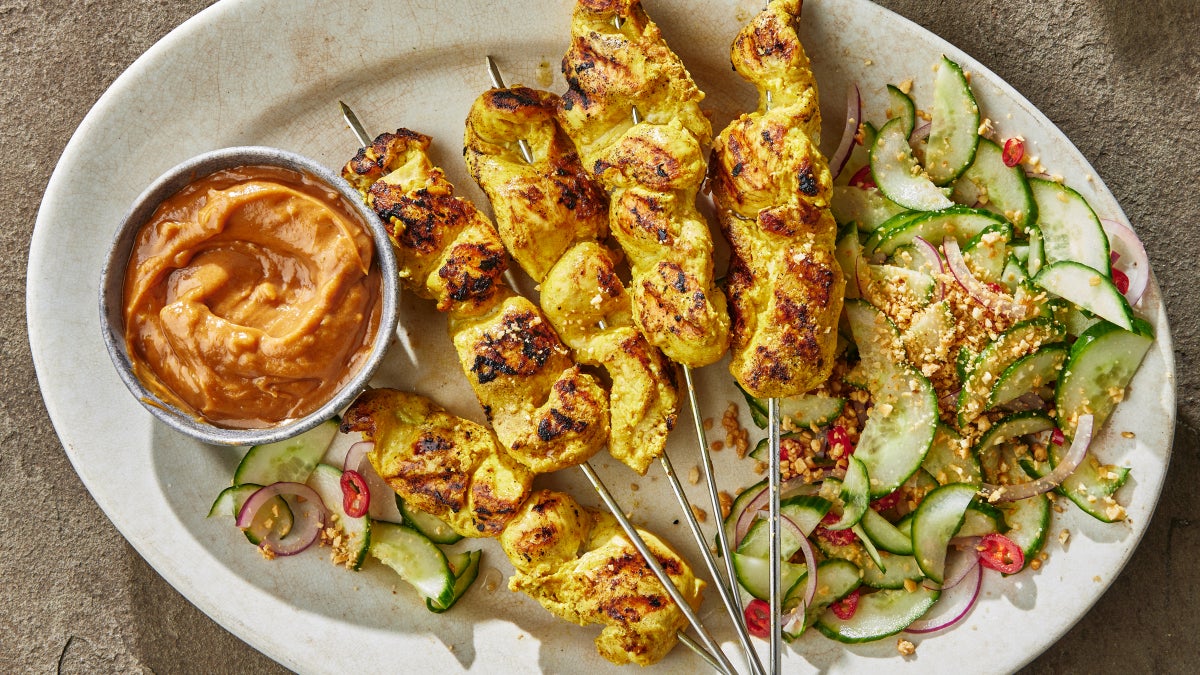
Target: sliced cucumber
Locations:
point(465, 567)
point(960, 222)
point(1102, 362)
point(847, 252)
point(1090, 486)
point(808, 411)
point(431, 526)
point(327, 482)
point(876, 337)
point(884, 534)
point(836, 579)
point(924, 341)
point(275, 515)
point(290, 460)
point(937, 519)
point(899, 430)
point(901, 106)
point(1070, 229)
point(954, 133)
point(946, 461)
point(1007, 189)
point(987, 252)
point(981, 519)
point(1028, 522)
point(865, 206)
point(1078, 320)
point(1087, 288)
point(739, 505)
point(889, 284)
point(754, 573)
point(1028, 373)
point(416, 559)
point(1014, 274)
point(879, 615)
point(898, 175)
point(1015, 425)
point(855, 495)
point(1014, 343)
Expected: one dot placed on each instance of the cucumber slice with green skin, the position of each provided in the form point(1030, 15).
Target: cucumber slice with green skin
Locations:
point(894, 223)
point(901, 106)
point(887, 283)
point(987, 252)
point(1007, 188)
point(847, 251)
point(1004, 430)
point(436, 529)
point(290, 460)
point(981, 519)
point(954, 130)
point(937, 519)
point(808, 411)
point(836, 579)
point(923, 339)
point(1091, 486)
point(960, 222)
point(739, 505)
point(945, 460)
point(416, 559)
point(1070, 229)
point(855, 495)
point(1028, 373)
point(1102, 362)
point(865, 206)
point(1087, 288)
point(275, 515)
point(327, 482)
point(758, 409)
point(884, 534)
point(1017, 341)
point(879, 615)
point(806, 511)
point(1028, 522)
point(876, 337)
point(1013, 274)
point(754, 573)
point(465, 567)
point(899, 430)
point(1078, 320)
point(880, 569)
point(1037, 251)
point(898, 175)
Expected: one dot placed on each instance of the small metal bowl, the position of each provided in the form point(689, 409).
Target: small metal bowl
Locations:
point(112, 283)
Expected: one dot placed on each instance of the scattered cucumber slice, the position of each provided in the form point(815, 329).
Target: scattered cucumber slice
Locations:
point(886, 284)
point(431, 526)
point(898, 175)
point(1037, 251)
point(945, 460)
point(1087, 288)
point(754, 573)
point(327, 482)
point(739, 505)
point(465, 567)
point(899, 430)
point(855, 495)
point(1013, 274)
point(987, 252)
point(860, 156)
point(1014, 343)
point(884, 534)
point(275, 515)
point(865, 206)
point(981, 519)
point(1070, 229)
point(290, 460)
point(1028, 522)
point(1015, 425)
point(879, 615)
point(1006, 187)
point(837, 579)
point(1090, 486)
point(954, 134)
point(923, 339)
point(1102, 361)
point(901, 106)
point(937, 519)
point(1028, 373)
point(960, 222)
point(416, 559)
point(1078, 320)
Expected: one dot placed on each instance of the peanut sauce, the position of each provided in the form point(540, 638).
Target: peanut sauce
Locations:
point(251, 297)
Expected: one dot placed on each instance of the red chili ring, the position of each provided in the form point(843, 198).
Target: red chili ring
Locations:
point(356, 496)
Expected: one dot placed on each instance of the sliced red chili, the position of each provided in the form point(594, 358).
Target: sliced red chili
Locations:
point(758, 619)
point(1121, 281)
point(863, 178)
point(838, 435)
point(1000, 553)
point(845, 608)
point(356, 496)
point(1014, 151)
point(1057, 437)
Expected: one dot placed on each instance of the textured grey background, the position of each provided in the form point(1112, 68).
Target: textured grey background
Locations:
point(1122, 79)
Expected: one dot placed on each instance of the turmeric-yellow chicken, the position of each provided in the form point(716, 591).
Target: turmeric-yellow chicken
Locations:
point(772, 189)
point(618, 65)
point(579, 565)
point(440, 464)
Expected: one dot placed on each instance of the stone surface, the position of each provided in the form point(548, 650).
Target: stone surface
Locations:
point(1121, 79)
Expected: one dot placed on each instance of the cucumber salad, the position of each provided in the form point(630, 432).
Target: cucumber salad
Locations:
point(988, 334)
point(318, 488)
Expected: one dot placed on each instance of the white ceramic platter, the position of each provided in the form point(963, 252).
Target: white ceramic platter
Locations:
point(271, 72)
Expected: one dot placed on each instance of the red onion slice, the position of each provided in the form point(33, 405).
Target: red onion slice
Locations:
point(979, 291)
point(1070, 462)
point(849, 132)
point(356, 454)
point(920, 132)
point(1136, 264)
point(308, 515)
point(787, 489)
point(963, 603)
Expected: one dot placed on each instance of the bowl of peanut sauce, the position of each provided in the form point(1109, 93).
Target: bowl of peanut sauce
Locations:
point(249, 296)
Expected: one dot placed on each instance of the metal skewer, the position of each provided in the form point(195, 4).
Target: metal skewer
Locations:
point(725, 589)
point(710, 651)
point(775, 472)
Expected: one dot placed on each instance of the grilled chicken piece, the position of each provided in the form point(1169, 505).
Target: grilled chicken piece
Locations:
point(644, 400)
point(579, 565)
point(652, 170)
point(772, 189)
point(544, 410)
point(440, 464)
point(541, 208)
point(581, 293)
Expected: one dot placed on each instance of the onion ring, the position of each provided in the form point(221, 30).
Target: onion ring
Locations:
point(308, 516)
point(1136, 263)
point(849, 132)
point(979, 291)
point(1070, 462)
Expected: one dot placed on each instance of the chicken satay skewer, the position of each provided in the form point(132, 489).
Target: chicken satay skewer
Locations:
point(724, 588)
point(710, 651)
